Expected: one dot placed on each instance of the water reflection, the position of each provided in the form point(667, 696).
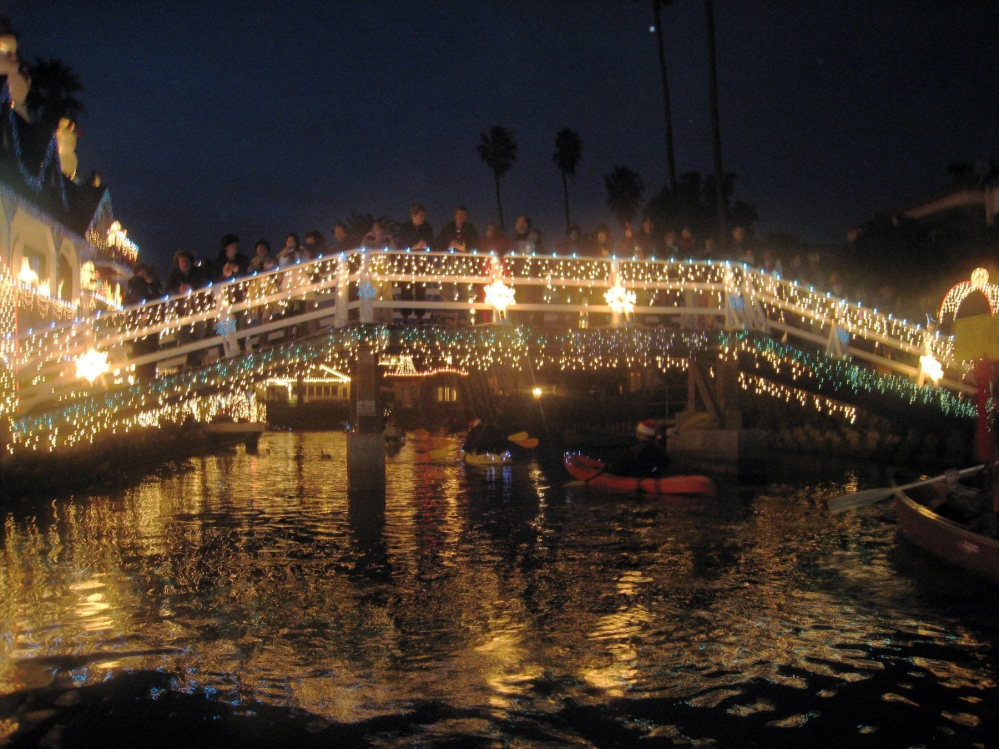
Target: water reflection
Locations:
point(261, 578)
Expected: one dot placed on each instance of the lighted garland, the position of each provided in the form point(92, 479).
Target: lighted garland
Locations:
point(840, 376)
point(565, 280)
point(8, 349)
point(827, 406)
point(452, 349)
point(34, 181)
point(480, 348)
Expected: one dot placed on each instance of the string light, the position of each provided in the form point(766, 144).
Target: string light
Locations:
point(344, 279)
point(979, 282)
point(826, 406)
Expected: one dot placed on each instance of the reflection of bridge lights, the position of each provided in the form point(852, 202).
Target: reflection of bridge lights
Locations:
point(92, 365)
point(931, 367)
point(499, 295)
point(620, 300)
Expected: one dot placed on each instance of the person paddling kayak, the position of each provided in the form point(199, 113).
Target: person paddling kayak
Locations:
point(484, 438)
point(648, 457)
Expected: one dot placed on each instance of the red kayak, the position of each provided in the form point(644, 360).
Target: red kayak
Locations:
point(592, 472)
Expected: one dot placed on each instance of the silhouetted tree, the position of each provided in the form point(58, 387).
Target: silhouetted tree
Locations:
point(693, 204)
point(359, 224)
point(625, 189)
point(657, 21)
point(53, 92)
point(568, 154)
point(709, 20)
point(499, 150)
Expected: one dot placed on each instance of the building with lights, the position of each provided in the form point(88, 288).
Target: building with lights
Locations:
point(62, 253)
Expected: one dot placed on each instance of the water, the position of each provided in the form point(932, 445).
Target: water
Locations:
point(249, 599)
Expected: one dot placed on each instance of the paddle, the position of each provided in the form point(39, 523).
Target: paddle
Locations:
point(530, 443)
point(518, 437)
point(871, 496)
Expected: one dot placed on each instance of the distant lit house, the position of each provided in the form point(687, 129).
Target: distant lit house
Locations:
point(62, 253)
point(321, 383)
point(437, 389)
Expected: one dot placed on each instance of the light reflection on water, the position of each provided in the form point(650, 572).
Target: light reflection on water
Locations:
point(258, 577)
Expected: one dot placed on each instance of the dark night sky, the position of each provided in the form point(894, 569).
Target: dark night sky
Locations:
point(266, 117)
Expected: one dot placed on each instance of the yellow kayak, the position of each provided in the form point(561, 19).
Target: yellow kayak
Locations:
point(487, 459)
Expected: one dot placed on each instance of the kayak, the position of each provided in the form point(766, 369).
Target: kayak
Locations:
point(592, 472)
point(946, 539)
point(487, 459)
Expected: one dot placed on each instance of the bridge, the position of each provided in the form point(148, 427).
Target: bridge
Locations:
point(199, 355)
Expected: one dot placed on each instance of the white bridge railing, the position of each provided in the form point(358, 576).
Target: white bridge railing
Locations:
point(364, 286)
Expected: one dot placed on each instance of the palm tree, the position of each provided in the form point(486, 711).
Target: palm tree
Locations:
point(568, 154)
point(657, 16)
point(624, 193)
point(53, 92)
point(709, 20)
point(499, 150)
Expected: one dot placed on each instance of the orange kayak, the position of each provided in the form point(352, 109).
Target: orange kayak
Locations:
point(592, 472)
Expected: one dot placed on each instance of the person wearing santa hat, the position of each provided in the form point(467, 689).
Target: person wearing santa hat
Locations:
point(648, 457)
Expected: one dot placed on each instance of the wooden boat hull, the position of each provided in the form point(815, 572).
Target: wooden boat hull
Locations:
point(592, 472)
point(487, 459)
point(947, 540)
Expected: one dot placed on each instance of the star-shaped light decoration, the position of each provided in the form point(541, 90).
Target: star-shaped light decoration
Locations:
point(92, 365)
point(226, 327)
point(367, 291)
point(620, 300)
point(499, 295)
point(931, 367)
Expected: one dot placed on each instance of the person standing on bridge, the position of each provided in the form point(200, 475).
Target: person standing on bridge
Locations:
point(415, 234)
point(459, 235)
point(187, 277)
point(230, 263)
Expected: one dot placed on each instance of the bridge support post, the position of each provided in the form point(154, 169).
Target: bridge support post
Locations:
point(365, 442)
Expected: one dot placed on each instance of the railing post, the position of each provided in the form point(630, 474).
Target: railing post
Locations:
point(835, 343)
point(500, 300)
point(225, 326)
point(341, 296)
point(735, 303)
point(366, 290)
point(617, 319)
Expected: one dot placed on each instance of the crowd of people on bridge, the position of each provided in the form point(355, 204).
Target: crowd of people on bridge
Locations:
point(459, 234)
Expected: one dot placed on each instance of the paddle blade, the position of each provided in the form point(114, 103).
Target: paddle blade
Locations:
point(518, 437)
point(696, 421)
point(530, 443)
point(860, 499)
